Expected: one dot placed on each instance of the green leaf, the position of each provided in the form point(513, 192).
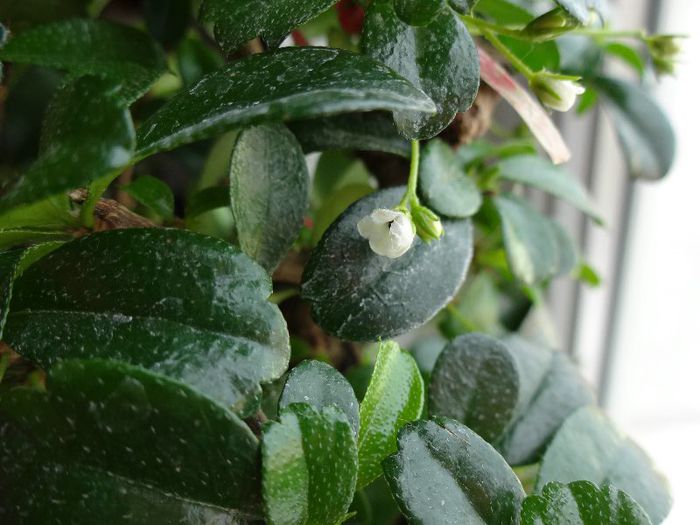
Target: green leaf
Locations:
point(445, 184)
point(536, 55)
point(335, 205)
point(21, 14)
point(418, 12)
point(195, 59)
point(320, 385)
point(477, 308)
point(445, 473)
point(476, 381)
point(370, 131)
point(237, 21)
point(336, 169)
point(542, 174)
point(394, 397)
point(185, 306)
point(91, 47)
point(167, 20)
point(588, 447)
point(462, 6)
point(550, 390)
point(645, 132)
point(152, 193)
point(288, 84)
point(581, 503)
point(78, 146)
point(309, 466)
point(536, 246)
point(107, 443)
point(269, 192)
point(358, 295)
point(12, 265)
point(54, 213)
point(13, 237)
point(439, 58)
point(627, 54)
point(206, 200)
point(512, 393)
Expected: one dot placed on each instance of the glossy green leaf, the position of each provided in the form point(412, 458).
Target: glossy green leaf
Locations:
point(320, 385)
point(91, 47)
point(512, 393)
point(418, 12)
point(644, 130)
point(476, 381)
point(21, 14)
point(370, 131)
point(581, 503)
point(152, 193)
point(335, 205)
point(309, 466)
point(195, 59)
point(186, 306)
point(360, 296)
point(13, 237)
point(54, 213)
point(445, 473)
point(394, 397)
point(167, 20)
point(334, 170)
point(77, 146)
point(445, 185)
point(206, 200)
point(288, 84)
point(107, 443)
point(550, 389)
point(269, 192)
point(237, 21)
point(12, 264)
point(439, 58)
point(542, 174)
point(588, 447)
point(536, 246)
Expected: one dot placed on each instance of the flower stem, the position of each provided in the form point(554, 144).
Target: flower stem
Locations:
point(411, 197)
point(606, 33)
point(508, 54)
point(482, 25)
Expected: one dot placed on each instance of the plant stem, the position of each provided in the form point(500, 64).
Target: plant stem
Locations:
point(482, 25)
point(411, 197)
point(508, 54)
point(606, 33)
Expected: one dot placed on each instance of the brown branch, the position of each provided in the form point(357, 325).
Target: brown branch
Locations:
point(110, 215)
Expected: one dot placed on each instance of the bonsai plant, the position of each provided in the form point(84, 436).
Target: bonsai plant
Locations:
point(196, 330)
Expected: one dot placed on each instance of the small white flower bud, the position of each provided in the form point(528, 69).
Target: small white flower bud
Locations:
point(390, 232)
point(558, 94)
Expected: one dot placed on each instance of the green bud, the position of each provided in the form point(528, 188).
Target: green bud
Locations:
point(551, 24)
point(664, 46)
point(427, 223)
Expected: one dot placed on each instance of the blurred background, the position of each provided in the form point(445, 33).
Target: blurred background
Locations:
point(635, 335)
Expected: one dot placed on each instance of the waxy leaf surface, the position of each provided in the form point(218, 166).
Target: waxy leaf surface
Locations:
point(287, 84)
point(361, 296)
point(186, 306)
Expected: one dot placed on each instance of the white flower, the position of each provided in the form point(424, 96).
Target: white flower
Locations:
point(559, 95)
point(390, 232)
